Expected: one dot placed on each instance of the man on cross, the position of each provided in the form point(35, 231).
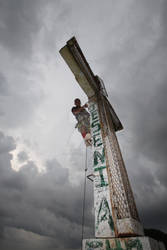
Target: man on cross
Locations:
point(83, 119)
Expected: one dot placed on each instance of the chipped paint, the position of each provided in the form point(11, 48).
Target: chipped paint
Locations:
point(133, 243)
point(94, 244)
point(129, 225)
point(104, 225)
point(104, 213)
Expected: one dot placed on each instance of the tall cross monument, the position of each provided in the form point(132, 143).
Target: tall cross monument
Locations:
point(117, 224)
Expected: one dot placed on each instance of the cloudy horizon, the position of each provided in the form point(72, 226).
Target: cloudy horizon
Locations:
point(42, 156)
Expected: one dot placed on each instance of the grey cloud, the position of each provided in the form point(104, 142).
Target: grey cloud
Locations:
point(164, 15)
point(7, 144)
point(59, 176)
point(18, 101)
point(21, 239)
point(46, 204)
point(3, 86)
point(149, 191)
point(26, 26)
point(22, 156)
point(20, 23)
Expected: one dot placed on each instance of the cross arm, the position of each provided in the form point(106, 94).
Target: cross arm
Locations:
point(73, 56)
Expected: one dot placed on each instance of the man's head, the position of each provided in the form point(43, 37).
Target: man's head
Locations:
point(77, 102)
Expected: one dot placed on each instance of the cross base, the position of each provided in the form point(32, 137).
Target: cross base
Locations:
point(131, 243)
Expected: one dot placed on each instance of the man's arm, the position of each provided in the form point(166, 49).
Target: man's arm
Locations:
point(78, 110)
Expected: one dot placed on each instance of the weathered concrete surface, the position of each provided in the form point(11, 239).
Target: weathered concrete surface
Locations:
point(132, 243)
point(129, 225)
point(114, 205)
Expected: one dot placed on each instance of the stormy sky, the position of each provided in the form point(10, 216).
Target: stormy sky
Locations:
point(42, 156)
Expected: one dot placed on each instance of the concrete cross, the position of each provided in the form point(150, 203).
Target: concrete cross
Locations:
point(115, 210)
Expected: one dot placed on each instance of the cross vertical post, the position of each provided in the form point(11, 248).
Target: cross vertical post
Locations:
point(117, 224)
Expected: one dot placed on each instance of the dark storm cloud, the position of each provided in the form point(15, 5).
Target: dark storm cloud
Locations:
point(31, 27)
point(150, 194)
point(151, 119)
point(46, 204)
point(20, 21)
point(20, 239)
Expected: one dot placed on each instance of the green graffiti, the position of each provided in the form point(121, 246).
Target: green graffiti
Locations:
point(104, 214)
point(117, 244)
point(97, 140)
point(130, 245)
point(108, 245)
point(98, 155)
point(102, 181)
point(94, 115)
point(93, 244)
point(96, 125)
point(92, 108)
point(134, 243)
